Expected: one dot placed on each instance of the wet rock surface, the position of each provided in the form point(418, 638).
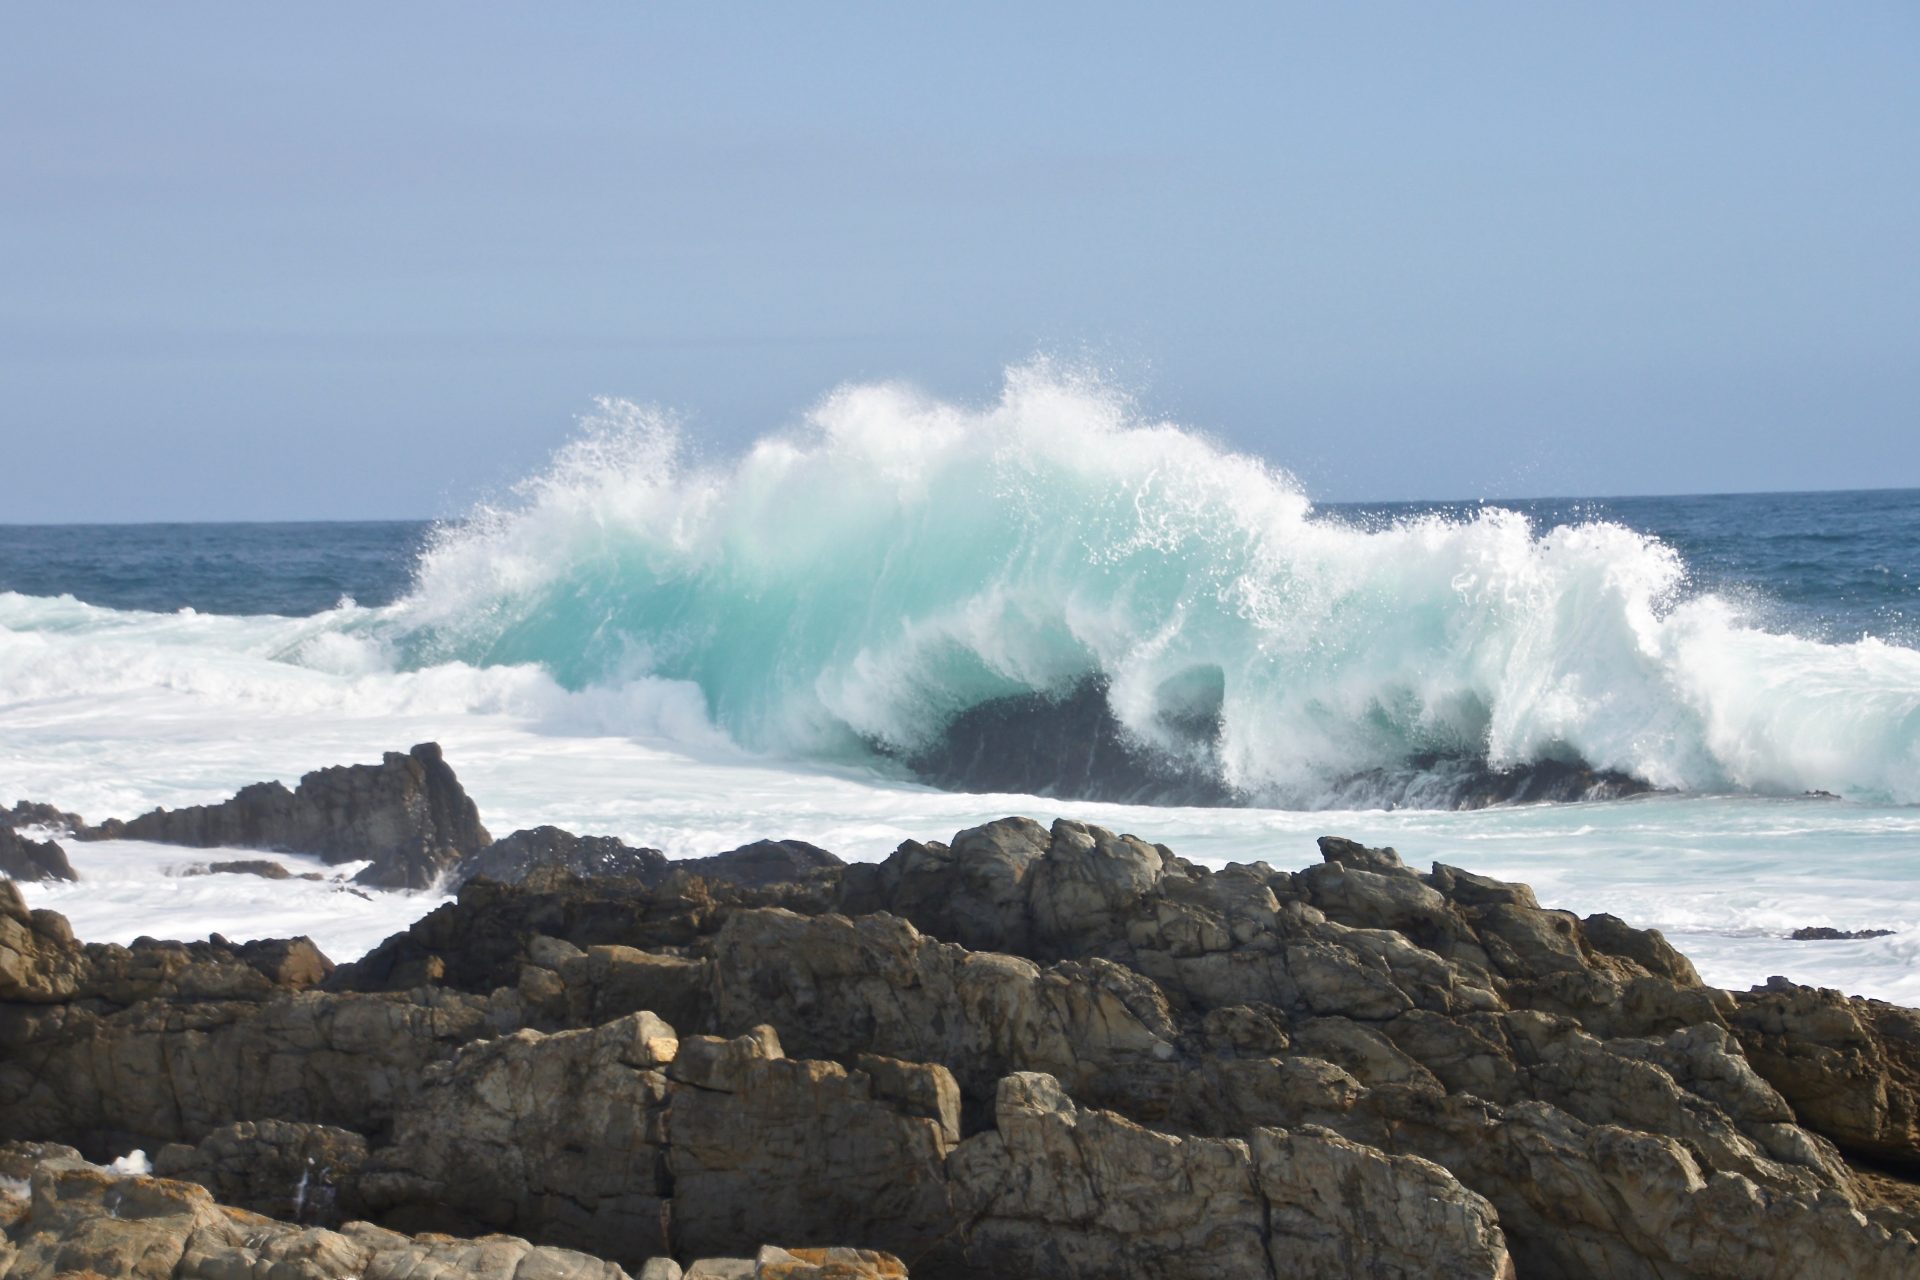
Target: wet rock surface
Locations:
point(1027, 1051)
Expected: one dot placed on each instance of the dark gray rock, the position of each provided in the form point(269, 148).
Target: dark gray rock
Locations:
point(1821, 933)
point(511, 859)
point(24, 859)
point(27, 813)
point(764, 862)
point(408, 815)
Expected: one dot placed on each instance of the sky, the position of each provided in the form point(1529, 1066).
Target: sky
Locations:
point(362, 261)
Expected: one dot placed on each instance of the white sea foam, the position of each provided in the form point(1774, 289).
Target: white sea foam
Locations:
point(695, 655)
point(134, 1164)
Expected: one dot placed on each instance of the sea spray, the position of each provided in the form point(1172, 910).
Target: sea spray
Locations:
point(847, 591)
point(865, 579)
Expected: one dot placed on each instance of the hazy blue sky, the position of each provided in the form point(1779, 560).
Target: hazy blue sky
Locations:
point(369, 260)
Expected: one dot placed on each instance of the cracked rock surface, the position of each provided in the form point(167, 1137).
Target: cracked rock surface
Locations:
point(1028, 1051)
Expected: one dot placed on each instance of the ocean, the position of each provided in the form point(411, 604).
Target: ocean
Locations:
point(693, 652)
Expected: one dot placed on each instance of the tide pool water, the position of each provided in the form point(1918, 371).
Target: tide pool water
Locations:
point(693, 654)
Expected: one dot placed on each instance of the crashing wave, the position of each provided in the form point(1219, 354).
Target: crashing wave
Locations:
point(1055, 594)
point(898, 573)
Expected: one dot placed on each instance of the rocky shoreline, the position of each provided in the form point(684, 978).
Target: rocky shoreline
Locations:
point(1027, 1051)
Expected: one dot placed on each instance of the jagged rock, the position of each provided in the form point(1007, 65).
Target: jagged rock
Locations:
point(1054, 1190)
point(554, 1137)
point(1333, 1063)
point(1823, 933)
point(24, 859)
point(836, 986)
point(408, 814)
point(1850, 1068)
point(772, 1146)
point(40, 962)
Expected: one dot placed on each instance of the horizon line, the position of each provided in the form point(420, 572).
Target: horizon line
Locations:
point(1317, 502)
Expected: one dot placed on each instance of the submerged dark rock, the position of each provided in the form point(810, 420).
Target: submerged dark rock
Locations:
point(408, 814)
point(1821, 933)
point(1433, 781)
point(24, 859)
point(1071, 746)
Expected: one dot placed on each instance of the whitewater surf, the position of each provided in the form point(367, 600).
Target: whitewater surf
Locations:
point(692, 651)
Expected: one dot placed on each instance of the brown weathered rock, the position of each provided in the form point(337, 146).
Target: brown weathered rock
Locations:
point(1033, 1051)
point(83, 1221)
point(1058, 1191)
point(1850, 1068)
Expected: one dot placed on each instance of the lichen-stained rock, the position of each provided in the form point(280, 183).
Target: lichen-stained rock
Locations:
point(84, 1221)
point(775, 1263)
point(1850, 1068)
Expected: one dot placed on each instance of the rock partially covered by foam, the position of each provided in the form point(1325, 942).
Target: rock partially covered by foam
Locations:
point(22, 858)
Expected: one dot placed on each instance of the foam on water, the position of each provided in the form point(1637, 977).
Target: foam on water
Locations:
point(860, 581)
point(696, 654)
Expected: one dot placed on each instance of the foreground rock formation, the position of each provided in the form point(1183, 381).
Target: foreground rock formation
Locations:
point(1030, 1051)
point(63, 1216)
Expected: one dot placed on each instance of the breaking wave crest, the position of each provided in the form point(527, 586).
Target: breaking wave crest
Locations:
point(1051, 593)
point(864, 583)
